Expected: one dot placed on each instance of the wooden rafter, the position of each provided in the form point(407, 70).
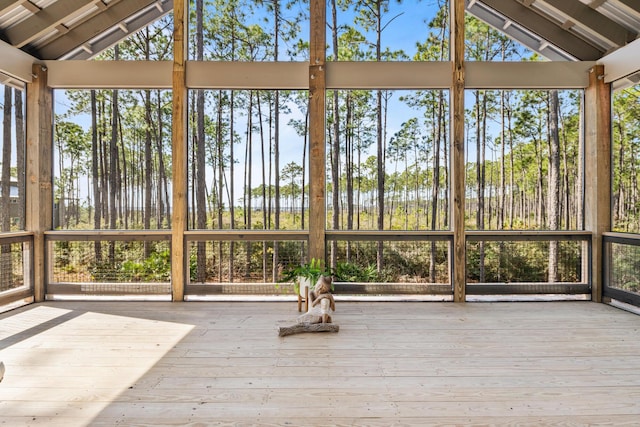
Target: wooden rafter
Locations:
point(116, 12)
point(44, 20)
point(592, 21)
point(543, 27)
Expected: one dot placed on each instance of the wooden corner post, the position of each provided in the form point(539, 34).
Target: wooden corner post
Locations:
point(457, 158)
point(39, 182)
point(317, 107)
point(597, 161)
point(179, 150)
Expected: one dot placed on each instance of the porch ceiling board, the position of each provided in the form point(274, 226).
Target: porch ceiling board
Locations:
point(117, 32)
point(45, 20)
point(545, 28)
point(594, 22)
point(7, 5)
point(560, 30)
point(89, 29)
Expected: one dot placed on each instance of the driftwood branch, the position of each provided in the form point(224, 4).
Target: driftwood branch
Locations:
point(299, 328)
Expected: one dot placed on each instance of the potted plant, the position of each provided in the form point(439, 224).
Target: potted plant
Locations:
point(304, 276)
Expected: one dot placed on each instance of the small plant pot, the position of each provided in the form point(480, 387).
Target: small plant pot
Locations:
point(303, 282)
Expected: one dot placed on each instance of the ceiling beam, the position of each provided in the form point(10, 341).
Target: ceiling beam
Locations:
point(16, 63)
point(244, 75)
point(544, 28)
point(518, 33)
point(91, 28)
point(388, 75)
point(294, 75)
point(622, 62)
point(109, 74)
point(44, 20)
point(528, 75)
point(592, 21)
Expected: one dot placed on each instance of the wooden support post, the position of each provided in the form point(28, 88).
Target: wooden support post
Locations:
point(39, 192)
point(457, 157)
point(317, 110)
point(597, 153)
point(179, 150)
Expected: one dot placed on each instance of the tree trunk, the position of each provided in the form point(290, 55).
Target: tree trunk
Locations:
point(20, 153)
point(6, 267)
point(554, 181)
point(5, 189)
point(349, 137)
point(200, 170)
point(335, 149)
point(165, 211)
point(276, 135)
point(479, 181)
point(502, 190)
point(148, 170)
point(265, 224)
point(113, 165)
point(95, 173)
point(435, 185)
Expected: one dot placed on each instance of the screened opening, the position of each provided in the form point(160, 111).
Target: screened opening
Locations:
point(626, 159)
point(248, 160)
point(388, 31)
point(524, 164)
point(387, 160)
point(112, 159)
point(249, 30)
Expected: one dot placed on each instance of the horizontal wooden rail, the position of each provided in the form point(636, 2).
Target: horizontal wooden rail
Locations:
point(23, 295)
point(108, 235)
point(624, 238)
point(15, 237)
point(528, 235)
point(528, 288)
point(246, 235)
point(391, 235)
point(350, 235)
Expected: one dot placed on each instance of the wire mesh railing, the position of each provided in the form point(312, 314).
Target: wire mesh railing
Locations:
point(15, 267)
point(528, 262)
point(243, 262)
point(621, 264)
point(114, 263)
point(255, 262)
point(387, 263)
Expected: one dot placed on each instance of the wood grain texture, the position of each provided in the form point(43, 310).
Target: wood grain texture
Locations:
point(179, 149)
point(411, 364)
point(317, 117)
point(597, 162)
point(300, 328)
point(39, 172)
point(458, 252)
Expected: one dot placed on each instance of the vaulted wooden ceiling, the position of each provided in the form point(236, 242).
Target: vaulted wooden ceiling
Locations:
point(557, 29)
point(74, 29)
point(584, 30)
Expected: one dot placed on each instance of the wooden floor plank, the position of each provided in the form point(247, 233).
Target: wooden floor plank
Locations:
point(410, 364)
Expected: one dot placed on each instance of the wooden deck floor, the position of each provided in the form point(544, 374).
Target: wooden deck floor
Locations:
point(199, 364)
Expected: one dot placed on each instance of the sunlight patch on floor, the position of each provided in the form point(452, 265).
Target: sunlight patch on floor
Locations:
point(102, 355)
